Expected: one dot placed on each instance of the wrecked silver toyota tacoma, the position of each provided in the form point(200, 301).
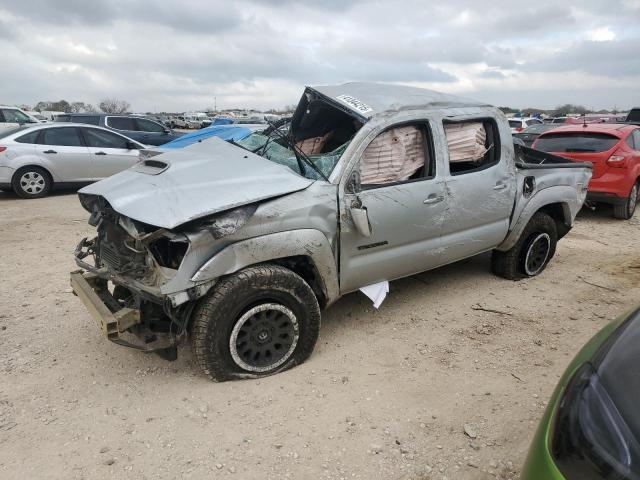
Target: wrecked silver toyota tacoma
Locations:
point(240, 244)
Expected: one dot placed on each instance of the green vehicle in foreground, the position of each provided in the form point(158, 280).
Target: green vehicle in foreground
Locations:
point(591, 428)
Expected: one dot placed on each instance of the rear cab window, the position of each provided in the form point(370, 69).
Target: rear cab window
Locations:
point(473, 145)
point(576, 142)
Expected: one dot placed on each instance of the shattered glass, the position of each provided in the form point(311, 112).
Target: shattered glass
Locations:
point(325, 162)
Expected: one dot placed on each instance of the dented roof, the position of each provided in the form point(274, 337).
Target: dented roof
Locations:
point(370, 99)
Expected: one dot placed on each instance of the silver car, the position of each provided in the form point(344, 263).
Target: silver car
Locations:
point(35, 159)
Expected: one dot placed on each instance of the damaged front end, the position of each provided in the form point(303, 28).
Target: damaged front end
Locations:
point(126, 285)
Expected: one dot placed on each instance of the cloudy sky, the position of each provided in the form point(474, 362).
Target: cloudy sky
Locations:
point(174, 56)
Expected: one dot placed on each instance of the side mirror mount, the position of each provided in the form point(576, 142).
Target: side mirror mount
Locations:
point(360, 218)
point(132, 146)
point(353, 184)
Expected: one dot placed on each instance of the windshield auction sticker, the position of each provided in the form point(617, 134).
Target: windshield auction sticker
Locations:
point(355, 104)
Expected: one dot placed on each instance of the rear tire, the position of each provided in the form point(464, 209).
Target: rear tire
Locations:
point(31, 182)
point(256, 322)
point(531, 253)
point(626, 211)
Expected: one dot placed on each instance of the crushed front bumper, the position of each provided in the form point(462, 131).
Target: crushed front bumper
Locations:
point(113, 319)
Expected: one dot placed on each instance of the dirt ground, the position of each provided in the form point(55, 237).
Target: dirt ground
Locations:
point(386, 394)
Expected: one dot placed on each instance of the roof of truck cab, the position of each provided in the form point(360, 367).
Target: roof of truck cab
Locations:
point(370, 99)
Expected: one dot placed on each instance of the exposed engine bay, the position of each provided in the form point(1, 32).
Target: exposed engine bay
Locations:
point(131, 261)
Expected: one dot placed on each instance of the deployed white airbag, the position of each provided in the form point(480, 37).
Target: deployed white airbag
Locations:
point(466, 141)
point(393, 156)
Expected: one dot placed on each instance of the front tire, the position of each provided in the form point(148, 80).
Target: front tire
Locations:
point(31, 182)
point(256, 322)
point(626, 210)
point(531, 253)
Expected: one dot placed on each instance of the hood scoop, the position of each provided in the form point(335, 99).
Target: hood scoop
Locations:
point(150, 167)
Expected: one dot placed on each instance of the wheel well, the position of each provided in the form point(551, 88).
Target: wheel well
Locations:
point(305, 267)
point(33, 166)
point(556, 211)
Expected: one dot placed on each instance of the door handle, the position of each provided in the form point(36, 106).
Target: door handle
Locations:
point(49, 151)
point(500, 186)
point(433, 199)
point(100, 153)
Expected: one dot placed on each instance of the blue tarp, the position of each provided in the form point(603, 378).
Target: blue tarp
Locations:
point(225, 132)
point(221, 121)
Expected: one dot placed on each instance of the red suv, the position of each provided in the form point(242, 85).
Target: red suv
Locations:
point(614, 151)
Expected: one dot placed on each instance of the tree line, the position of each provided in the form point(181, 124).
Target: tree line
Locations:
point(559, 111)
point(106, 105)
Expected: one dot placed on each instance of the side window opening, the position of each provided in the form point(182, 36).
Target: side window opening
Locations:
point(473, 145)
point(322, 128)
point(399, 154)
point(30, 137)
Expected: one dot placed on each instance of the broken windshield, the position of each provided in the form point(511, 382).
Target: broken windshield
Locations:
point(269, 148)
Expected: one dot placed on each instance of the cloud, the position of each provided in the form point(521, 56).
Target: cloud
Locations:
point(248, 53)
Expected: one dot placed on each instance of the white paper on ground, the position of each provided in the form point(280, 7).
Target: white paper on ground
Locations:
point(376, 292)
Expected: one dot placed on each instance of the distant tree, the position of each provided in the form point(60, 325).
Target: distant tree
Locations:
point(42, 106)
point(508, 110)
point(80, 107)
point(568, 108)
point(61, 106)
point(113, 105)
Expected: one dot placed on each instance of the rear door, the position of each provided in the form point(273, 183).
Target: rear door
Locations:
point(110, 152)
point(65, 149)
point(480, 186)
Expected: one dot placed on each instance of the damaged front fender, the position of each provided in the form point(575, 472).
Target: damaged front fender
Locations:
point(304, 242)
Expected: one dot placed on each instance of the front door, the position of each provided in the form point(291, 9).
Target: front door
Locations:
point(403, 192)
point(110, 152)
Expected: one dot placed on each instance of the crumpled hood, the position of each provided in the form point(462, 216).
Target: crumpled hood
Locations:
point(182, 185)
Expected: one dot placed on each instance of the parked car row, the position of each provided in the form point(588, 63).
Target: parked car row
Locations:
point(35, 159)
point(139, 129)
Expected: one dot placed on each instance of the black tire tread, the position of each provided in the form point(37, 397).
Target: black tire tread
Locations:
point(621, 212)
point(208, 315)
point(507, 264)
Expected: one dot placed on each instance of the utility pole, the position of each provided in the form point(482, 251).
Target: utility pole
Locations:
point(215, 104)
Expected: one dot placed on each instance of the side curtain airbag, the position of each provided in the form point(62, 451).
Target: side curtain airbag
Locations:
point(466, 141)
point(393, 156)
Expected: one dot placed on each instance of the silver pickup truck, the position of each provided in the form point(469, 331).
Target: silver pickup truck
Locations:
point(241, 244)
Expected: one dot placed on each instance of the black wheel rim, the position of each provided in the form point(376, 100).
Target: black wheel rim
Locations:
point(264, 337)
point(537, 254)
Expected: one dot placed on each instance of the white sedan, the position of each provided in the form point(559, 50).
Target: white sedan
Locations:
point(35, 159)
point(519, 124)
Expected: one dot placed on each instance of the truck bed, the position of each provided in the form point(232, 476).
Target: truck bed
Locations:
point(531, 159)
